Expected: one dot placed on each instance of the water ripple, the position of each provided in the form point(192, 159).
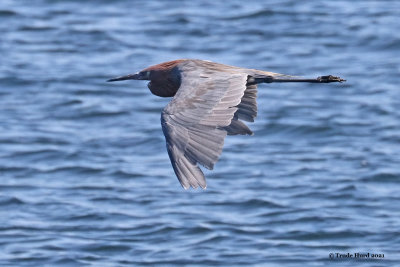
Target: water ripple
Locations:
point(85, 177)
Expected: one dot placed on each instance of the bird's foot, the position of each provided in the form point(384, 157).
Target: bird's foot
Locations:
point(330, 79)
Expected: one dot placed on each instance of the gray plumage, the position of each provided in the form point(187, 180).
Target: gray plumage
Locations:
point(210, 101)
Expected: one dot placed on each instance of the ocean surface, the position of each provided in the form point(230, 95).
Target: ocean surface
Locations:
point(85, 179)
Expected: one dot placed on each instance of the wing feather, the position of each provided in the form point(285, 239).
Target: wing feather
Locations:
point(205, 109)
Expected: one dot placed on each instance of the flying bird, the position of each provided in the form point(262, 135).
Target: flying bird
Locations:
point(210, 101)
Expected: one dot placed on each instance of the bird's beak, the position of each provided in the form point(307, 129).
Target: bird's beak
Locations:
point(135, 76)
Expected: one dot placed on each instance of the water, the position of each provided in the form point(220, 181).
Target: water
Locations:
point(85, 177)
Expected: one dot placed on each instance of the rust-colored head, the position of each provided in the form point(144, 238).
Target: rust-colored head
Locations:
point(164, 78)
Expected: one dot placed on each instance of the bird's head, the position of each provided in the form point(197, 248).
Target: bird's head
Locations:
point(164, 78)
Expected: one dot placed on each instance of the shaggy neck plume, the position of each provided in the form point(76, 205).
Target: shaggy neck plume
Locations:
point(165, 78)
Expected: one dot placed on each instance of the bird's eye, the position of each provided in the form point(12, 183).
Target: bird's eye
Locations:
point(145, 75)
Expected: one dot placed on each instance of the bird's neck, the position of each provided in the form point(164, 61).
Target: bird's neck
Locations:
point(165, 83)
point(163, 89)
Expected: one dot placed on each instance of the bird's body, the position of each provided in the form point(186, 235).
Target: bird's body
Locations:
point(210, 101)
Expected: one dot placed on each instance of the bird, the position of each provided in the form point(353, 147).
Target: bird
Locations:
point(209, 101)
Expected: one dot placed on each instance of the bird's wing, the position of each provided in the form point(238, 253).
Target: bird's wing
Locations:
point(247, 111)
point(194, 121)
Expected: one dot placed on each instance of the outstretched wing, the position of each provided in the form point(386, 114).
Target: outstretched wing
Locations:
point(196, 121)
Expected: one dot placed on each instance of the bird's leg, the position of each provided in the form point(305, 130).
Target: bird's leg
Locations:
point(320, 79)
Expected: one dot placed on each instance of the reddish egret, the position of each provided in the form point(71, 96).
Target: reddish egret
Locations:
point(210, 101)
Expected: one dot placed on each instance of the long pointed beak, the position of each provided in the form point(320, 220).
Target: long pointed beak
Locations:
point(135, 76)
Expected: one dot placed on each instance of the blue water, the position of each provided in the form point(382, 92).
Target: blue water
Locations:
point(85, 178)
